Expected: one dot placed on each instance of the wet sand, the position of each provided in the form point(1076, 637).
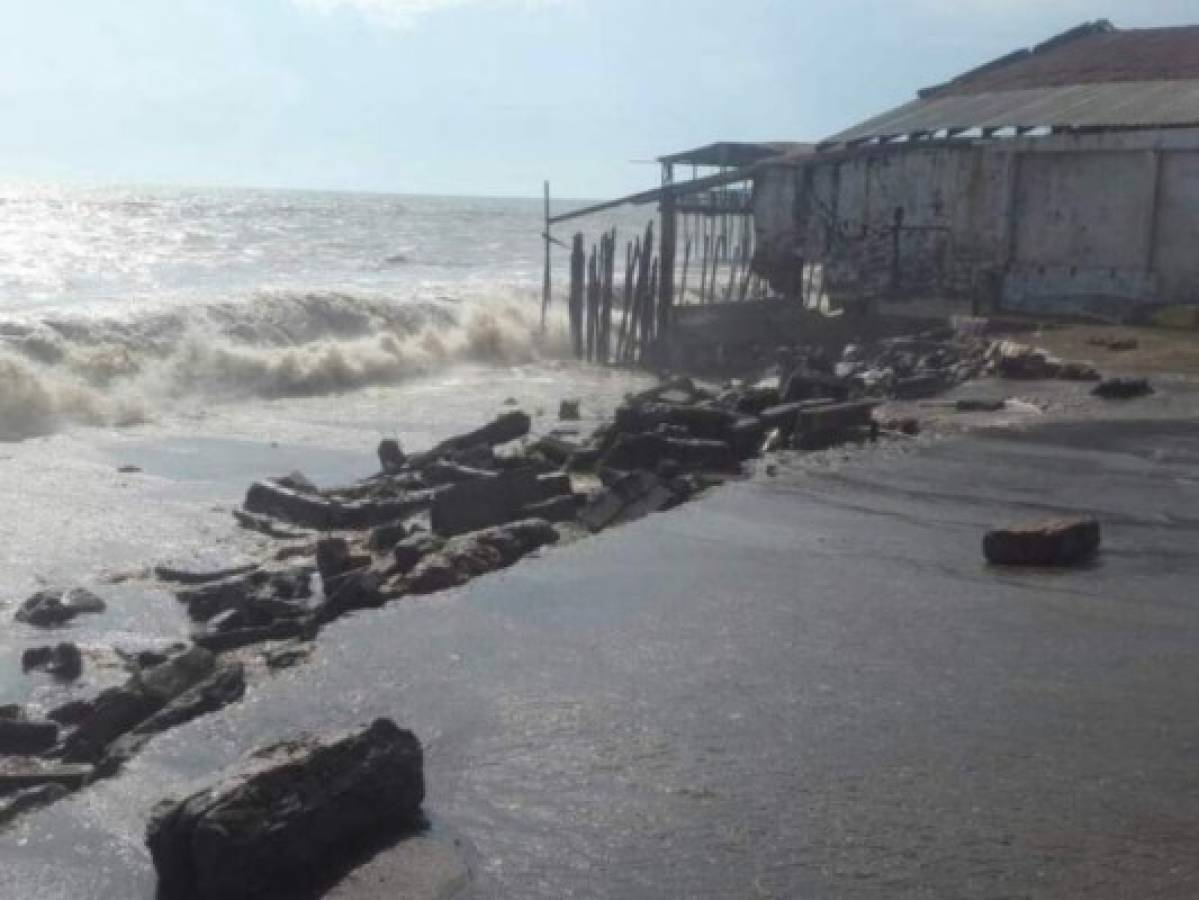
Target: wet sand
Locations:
point(810, 685)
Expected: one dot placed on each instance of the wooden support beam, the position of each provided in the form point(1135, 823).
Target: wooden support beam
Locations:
point(682, 189)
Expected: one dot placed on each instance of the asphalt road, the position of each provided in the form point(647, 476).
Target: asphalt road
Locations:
point(809, 688)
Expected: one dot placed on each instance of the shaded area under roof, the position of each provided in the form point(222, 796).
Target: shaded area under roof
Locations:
point(736, 154)
point(1094, 53)
point(1145, 104)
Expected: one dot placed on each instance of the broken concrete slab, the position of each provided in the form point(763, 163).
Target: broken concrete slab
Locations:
point(473, 505)
point(288, 813)
point(1050, 542)
point(19, 737)
point(324, 514)
point(17, 774)
point(1123, 388)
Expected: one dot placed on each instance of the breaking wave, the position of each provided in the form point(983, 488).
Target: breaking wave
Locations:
point(117, 372)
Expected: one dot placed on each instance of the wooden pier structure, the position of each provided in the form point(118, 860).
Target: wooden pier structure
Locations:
point(697, 251)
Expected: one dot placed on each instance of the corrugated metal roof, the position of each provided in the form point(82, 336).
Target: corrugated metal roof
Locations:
point(736, 153)
point(1134, 104)
point(1094, 53)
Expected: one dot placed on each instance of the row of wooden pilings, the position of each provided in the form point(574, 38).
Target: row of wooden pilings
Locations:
point(606, 328)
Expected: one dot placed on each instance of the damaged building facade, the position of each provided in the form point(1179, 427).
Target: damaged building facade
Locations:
point(1060, 179)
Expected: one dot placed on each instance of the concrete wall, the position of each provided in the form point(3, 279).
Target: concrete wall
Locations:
point(1098, 223)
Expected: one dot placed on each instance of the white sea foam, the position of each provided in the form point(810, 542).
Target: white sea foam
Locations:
point(107, 371)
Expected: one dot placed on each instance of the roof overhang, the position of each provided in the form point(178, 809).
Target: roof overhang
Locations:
point(1137, 104)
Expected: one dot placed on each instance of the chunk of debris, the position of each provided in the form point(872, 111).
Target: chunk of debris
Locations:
point(1050, 542)
point(979, 404)
point(568, 411)
point(1123, 388)
point(288, 813)
point(391, 455)
point(20, 737)
point(63, 660)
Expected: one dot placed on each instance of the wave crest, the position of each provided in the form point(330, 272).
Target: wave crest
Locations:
point(56, 373)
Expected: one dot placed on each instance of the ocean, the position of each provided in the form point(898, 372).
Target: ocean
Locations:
point(209, 337)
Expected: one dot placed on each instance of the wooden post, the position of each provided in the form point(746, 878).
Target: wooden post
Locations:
point(577, 267)
point(545, 284)
point(669, 242)
point(631, 256)
point(686, 265)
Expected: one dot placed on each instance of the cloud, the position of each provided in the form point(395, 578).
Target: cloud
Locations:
point(403, 13)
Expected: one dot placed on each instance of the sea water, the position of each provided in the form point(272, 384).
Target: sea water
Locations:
point(209, 337)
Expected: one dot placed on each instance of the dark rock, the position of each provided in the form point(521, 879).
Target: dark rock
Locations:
point(1115, 344)
point(1122, 388)
point(556, 509)
point(568, 411)
point(382, 538)
point(411, 550)
point(252, 595)
point(71, 713)
point(128, 470)
point(1052, 542)
point(357, 589)
point(289, 813)
point(919, 386)
point(746, 436)
point(181, 576)
point(62, 660)
point(629, 497)
point(647, 451)
point(298, 481)
point(433, 573)
point(289, 655)
point(441, 472)
point(117, 710)
point(20, 774)
point(507, 427)
point(22, 738)
point(708, 422)
point(809, 385)
point(226, 685)
point(835, 418)
point(281, 630)
point(481, 504)
point(267, 525)
point(784, 416)
point(321, 513)
point(30, 799)
point(81, 600)
point(1078, 371)
point(391, 455)
point(977, 404)
point(332, 557)
point(45, 609)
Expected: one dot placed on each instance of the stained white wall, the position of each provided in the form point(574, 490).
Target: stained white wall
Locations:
point(1067, 222)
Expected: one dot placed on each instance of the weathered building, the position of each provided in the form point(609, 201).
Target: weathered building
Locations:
point(1063, 178)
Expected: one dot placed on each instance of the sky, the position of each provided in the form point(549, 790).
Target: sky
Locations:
point(472, 96)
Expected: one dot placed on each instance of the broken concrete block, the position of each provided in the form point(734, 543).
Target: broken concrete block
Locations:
point(1051, 542)
point(473, 505)
point(19, 737)
point(288, 813)
point(1122, 388)
point(391, 455)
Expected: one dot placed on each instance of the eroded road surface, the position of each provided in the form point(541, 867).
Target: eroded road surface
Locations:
point(811, 688)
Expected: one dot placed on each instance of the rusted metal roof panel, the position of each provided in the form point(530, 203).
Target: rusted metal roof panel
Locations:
point(1138, 104)
point(1094, 53)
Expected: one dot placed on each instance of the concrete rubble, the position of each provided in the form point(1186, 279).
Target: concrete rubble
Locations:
point(288, 814)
